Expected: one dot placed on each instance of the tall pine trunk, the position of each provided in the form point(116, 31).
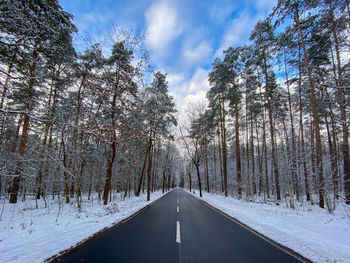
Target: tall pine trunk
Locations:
point(25, 130)
point(238, 153)
point(149, 168)
point(272, 132)
point(223, 145)
point(108, 182)
point(315, 114)
point(301, 124)
point(293, 152)
point(343, 114)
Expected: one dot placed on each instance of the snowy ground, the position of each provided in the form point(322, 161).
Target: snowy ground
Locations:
point(33, 235)
point(308, 230)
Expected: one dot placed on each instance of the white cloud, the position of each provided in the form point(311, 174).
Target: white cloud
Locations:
point(175, 79)
point(192, 91)
point(196, 54)
point(198, 98)
point(219, 11)
point(237, 32)
point(198, 82)
point(182, 102)
point(162, 25)
point(263, 5)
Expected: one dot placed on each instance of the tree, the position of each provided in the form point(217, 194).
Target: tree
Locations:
point(159, 110)
point(121, 90)
point(264, 38)
point(34, 26)
point(220, 81)
point(233, 60)
point(195, 138)
point(336, 24)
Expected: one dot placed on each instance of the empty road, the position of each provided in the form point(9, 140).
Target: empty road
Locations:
point(178, 228)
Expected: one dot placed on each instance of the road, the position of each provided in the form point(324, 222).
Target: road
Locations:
point(178, 228)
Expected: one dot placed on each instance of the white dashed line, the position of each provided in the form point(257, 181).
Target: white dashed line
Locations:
point(177, 209)
point(177, 232)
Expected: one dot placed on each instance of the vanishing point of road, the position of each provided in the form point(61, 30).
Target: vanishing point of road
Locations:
point(179, 228)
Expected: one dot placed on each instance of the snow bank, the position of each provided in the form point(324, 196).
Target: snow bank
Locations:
point(308, 230)
point(33, 235)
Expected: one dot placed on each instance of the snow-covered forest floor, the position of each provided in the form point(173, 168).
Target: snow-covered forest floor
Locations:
point(32, 235)
point(308, 229)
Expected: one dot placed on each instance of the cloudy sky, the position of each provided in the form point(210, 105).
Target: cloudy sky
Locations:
point(183, 36)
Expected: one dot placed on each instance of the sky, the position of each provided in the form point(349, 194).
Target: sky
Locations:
point(183, 36)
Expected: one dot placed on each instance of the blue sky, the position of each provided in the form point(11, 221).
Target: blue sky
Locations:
point(183, 36)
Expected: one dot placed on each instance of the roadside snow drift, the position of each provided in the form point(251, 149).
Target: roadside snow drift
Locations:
point(33, 235)
point(308, 230)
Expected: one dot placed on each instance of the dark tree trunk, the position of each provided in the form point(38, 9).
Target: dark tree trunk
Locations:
point(206, 165)
point(220, 162)
point(238, 152)
point(25, 130)
point(272, 133)
point(144, 166)
point(343, 114)
point(223, 144)
point(199, 180)
point(301, 123)
point(315, 115)
point(149, 168)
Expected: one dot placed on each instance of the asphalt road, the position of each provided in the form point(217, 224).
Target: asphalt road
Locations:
point(178, 228)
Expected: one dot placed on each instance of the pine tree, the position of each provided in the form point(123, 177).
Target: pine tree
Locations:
point(35, 26)
point(159, 110)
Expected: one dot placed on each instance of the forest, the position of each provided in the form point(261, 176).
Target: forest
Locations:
point(78, 122)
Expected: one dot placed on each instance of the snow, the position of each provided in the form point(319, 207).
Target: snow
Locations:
point(33, 235)
point(308, 229)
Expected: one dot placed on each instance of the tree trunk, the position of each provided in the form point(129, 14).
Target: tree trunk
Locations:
point(206, 164)
point(343, 114)
point(220, 162)
point(301, 124)
point(75, 135)
point(3, 96)
point(293, 152)
point(252, 152)
point(237, 151)
point(199, 179)
point(107, 188)
point(39, 178)
point(334, 157)
point(348, 8)
point(267, 188)
point(144, 166)
point(149, 168)
point(315, 115)
point(65, 167)
point(15, 142)
point(25, 130)
point(260, 161)
point(108, 181)
point(272, 133)
point(163, 185)
point(247, 153)
point(223, 142)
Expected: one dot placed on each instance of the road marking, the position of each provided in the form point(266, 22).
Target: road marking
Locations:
point(177, 201)
point(177, 209)
point(177, 232)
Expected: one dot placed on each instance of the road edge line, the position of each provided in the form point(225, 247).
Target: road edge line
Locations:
point(284, 248)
